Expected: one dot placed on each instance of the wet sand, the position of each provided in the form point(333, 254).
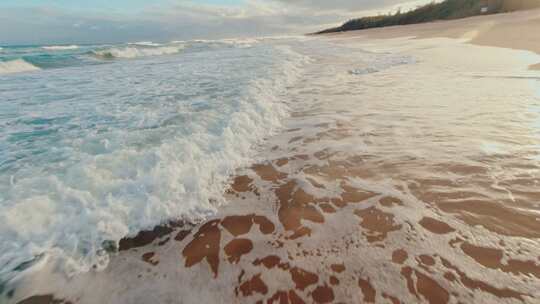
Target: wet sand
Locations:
point(416, 183)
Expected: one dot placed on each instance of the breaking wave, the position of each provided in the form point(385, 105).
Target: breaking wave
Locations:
point(135, 52)
point(16, 66)
point(145, 43)
point(147, 153)
point(60, 47)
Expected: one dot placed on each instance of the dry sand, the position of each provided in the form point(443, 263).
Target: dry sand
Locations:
point(515, 30)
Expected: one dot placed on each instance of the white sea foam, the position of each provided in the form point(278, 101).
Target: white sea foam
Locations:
point(383, 63)
point(240, 42)
point(60, 47)
point(16, 66)
point(171, 159)
point(134, 52)
point(145, 43)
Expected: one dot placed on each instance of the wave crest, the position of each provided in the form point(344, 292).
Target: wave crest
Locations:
point(16, 66)
point(134, 52)
point(60, 47)
point(178, 160)
point(145, 43)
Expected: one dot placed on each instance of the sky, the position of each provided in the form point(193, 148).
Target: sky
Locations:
point(108, 21)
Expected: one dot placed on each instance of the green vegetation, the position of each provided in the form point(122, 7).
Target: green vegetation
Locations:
point(446, 10)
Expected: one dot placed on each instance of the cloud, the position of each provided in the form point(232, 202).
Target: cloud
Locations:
point(179, 20)
point(39, 25)
point(355, 5)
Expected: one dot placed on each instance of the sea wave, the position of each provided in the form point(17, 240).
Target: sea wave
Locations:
point(240, 42)
point(172, 159)
point(16, 66)
point(145, 43)
point(135, 52)
point(60, 47)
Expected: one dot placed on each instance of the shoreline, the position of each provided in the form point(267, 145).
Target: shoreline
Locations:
point(346, 204)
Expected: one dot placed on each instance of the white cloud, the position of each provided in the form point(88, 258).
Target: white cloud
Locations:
point(183, 20)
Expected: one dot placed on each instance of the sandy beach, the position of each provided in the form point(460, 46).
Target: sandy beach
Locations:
point(407, 172)
point(515, 30)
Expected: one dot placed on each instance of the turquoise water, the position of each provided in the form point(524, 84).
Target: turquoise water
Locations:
point(61, 56)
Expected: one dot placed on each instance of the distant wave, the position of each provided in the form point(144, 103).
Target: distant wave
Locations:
point(145, 43)
point(240, 42)
point(134, 52)
point(16, 66)
point(60, 47)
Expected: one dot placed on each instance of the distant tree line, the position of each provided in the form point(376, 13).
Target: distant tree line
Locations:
point(446, 10)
